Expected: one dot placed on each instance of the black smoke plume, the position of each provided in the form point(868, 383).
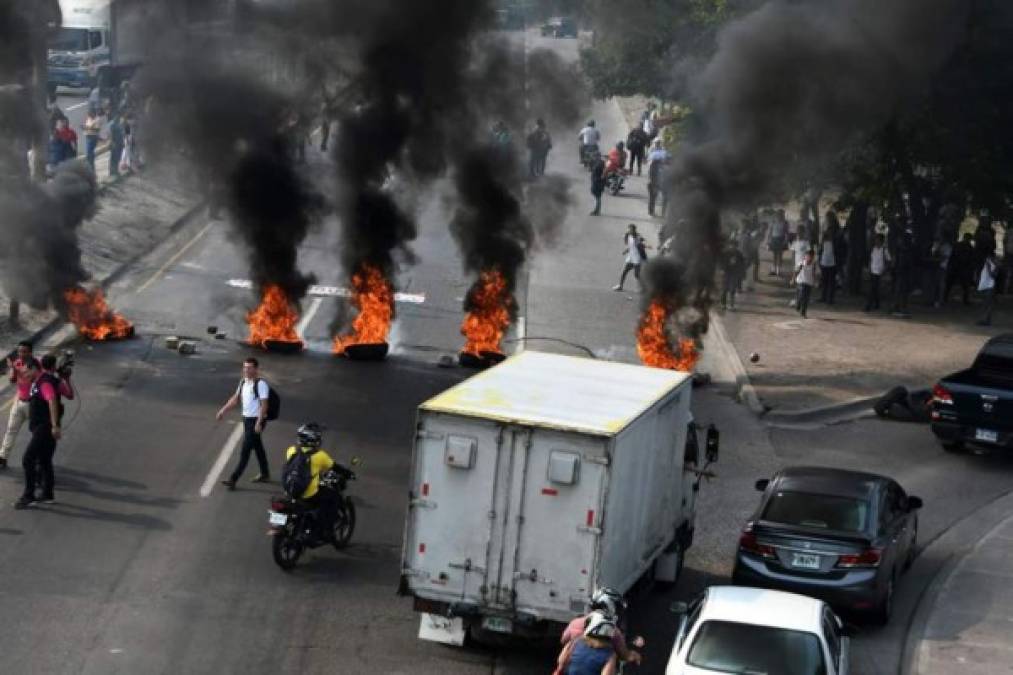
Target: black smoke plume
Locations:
point(790, 85)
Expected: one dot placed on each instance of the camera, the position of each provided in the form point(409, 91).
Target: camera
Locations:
point(65, 364)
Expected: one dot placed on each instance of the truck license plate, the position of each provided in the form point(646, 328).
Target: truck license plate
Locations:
point(498, 624)
point(805, 561)
point(278, 518)
point(986, 435)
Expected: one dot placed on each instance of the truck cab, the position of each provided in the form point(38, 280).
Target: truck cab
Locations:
point(81, 46)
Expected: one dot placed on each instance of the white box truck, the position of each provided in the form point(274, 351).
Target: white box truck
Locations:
point(539, 480)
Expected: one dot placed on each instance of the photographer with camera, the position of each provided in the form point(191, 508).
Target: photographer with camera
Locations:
point(45, 411)
point(17, 364)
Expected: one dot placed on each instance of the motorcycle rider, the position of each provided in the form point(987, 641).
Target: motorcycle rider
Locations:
point(321, 498)
point(590, 137)
point(608, 602)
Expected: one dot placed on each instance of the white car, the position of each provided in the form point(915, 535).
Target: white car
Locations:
point(733, 629)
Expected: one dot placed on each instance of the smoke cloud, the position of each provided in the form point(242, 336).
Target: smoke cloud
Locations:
point(789, 86)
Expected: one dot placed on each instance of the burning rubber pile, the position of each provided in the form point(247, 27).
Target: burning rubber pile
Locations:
point(489, 307)
point(671, 328)
point(373, 297)
point(273, 323)
point(93, 318)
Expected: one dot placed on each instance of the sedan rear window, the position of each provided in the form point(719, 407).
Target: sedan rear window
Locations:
point(729, 647)
point(828, 512)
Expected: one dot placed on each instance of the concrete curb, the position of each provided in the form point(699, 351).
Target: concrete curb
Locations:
point(835, 412)
point(744, 391)
point(951, 546)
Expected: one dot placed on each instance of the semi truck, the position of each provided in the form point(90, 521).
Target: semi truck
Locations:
point(541, 479)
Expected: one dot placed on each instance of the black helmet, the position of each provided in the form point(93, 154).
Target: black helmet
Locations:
point(590, 123)
point(310, 435)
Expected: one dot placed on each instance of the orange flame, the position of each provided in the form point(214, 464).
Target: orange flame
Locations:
point(373, 296)
point(489, 316)
point(89, 312)
point(274, 320)
point(653, 344)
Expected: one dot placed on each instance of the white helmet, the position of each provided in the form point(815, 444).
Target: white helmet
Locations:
point(608, 601)
point(599, 626)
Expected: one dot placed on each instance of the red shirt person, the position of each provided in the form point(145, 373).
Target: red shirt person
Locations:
point(17, 365)
point(44, 413)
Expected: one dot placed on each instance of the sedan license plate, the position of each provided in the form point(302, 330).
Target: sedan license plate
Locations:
point(805, 561)
point(498, 624)
point(986, 435)
point(278, 518)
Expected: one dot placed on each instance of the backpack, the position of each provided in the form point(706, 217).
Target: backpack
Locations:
point(297, 474)
point(273, 399)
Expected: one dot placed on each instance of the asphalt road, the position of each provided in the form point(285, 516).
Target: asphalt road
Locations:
point(133, 570)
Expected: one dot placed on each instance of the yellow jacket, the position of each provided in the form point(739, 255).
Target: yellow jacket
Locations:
point(320, 461)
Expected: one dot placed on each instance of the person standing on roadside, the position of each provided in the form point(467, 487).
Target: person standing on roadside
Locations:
point(879, 258)
point(805, 277)
point(960, 269)
point(636, 143)
point(539, 144)
point(733, 265)
point(777, 241)
point(44, 414)
point(92, 128)
point(252, 394)
point(636, 253)
point(828, 265)
point(22, 378)
point(597, 183)
point(904, 272)
point(117, 142)
point(986, 286)
point(752, 233)
point(658, 159)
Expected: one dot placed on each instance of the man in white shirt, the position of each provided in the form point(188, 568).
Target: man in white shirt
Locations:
point(589, 135)
point(879, 258)
point(986, 286)
point(634, 256)
point(252, 393)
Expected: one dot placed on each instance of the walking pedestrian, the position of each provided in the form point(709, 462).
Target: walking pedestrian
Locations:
point(636, 253)
point(252, 395)
point(539, 144)
point(636, 143)
point(597, 183)
point(904, 273)
point(986, 286)
point(749, 241)
point(828, 266)
point(879, 258)
point(92, 128)
point(942, 250)
point(733, 264)
point(658, 160)
point(805, 278)
point(44, 415)
point(777, 241)
point(117, 143)
point(960, 269)
point(21, 377)
point(799, 248)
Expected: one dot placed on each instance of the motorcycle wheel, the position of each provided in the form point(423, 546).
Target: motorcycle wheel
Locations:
point(286, 550)
point(614, 190)
point(344, 524)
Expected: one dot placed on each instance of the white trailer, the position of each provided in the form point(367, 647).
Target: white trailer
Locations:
point(539, 480)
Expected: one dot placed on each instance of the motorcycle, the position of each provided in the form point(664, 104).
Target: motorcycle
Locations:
point(588, 155)
point(615, 182)
point(296, 526)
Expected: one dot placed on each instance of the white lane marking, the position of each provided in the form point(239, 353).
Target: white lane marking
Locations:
point(300, 327)
point(179, 254)
point(336, 292)
point(223, 459)
point(76, 106)
point(522, 327)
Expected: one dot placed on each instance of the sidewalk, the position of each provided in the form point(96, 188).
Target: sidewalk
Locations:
point(965, 622)
point(842, 354)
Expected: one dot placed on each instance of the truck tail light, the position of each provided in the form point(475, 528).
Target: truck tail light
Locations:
point(870, 557)
point(941, 395)
point(749, 544)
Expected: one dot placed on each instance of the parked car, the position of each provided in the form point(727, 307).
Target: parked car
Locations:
point(976, 405)
point(841, 536)
point(560, 27)
point(730, 629)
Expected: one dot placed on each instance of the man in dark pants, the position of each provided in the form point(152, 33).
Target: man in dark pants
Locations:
point(44, 413)
point(252, 393)
point(597, 183)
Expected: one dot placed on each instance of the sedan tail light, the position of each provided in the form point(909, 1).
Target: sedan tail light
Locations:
point(870, 557)
point(941, 395)
point(749, 544)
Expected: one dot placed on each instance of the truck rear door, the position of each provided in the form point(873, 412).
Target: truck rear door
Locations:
point(447, 540)
point(545, 534)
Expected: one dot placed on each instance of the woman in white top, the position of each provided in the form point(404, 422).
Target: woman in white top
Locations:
point(800, 247)
point(986, 286)
point(805, 277)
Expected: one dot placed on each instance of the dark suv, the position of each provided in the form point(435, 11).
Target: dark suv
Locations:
point(841, 536)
